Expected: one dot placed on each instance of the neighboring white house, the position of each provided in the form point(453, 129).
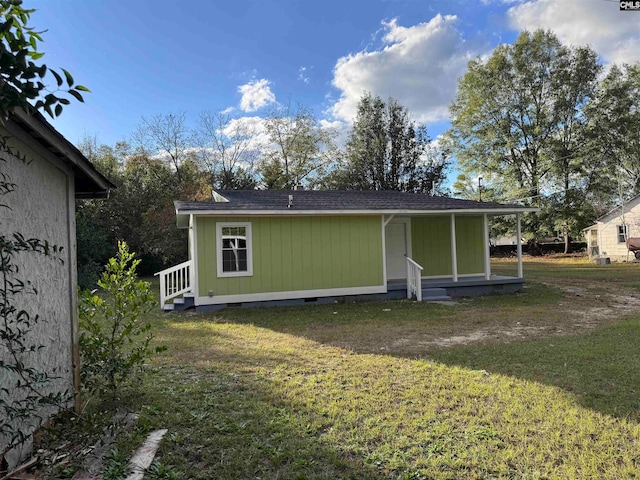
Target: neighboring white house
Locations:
point(607, 237)
point(42, 206)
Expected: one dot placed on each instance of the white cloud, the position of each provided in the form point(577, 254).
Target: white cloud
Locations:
point(255, 95)
point(302, 74)
point(419, 66)
point(248, 127)
point(613, 34)
point(340, 128)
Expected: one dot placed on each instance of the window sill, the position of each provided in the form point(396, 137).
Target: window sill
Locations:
point(235, 274)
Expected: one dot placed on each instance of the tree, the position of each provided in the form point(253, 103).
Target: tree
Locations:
point(518, 117)
point(614, 130)
point(140, 210)
point(166, 137)
point(386, 150)
point(22, 84)
point(300, 149)
point(228, 150)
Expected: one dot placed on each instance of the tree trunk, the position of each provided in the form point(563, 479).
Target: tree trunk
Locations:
point(567, 242)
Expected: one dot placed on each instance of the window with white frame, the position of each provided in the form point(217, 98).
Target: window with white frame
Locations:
point(622, 233)
point(233, 249)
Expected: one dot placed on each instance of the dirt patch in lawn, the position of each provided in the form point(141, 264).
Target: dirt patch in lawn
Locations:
point(582, 308)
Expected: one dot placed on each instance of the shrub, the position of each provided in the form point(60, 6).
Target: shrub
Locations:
point(114, 340)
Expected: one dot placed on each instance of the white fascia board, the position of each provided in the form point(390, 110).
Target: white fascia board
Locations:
point(290, 213)
point(290, 295)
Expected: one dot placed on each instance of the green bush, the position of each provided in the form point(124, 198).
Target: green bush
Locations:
point(114, 341)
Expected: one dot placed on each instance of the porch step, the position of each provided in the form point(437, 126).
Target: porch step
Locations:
point(435, 295)
point(180, 304)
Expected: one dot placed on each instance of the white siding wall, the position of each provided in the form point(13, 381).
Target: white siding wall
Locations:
point(42, 206)
point(608, 233)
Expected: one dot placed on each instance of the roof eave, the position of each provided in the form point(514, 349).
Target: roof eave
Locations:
point(37, 126)
point(240, 212)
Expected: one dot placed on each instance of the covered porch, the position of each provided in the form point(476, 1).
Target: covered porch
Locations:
point(441, 256)
point(445, 289)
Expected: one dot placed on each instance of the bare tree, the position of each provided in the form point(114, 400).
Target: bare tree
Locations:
point(300, 148)
point(228, 149)
point(165, 136)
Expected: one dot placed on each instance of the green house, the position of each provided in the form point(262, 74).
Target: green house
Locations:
point(256, 247)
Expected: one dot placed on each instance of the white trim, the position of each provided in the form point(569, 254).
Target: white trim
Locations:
point(384, 251)
point(247, 227)
point(519, 244)
point(290, 295)
point(384, 222)
point(289, 212)
point(454, 248)
point(218, 198)
point(460, 275)
point(195, 286)
point(487, 251)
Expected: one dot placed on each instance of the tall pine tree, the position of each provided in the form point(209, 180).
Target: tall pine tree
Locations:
point(386, 150)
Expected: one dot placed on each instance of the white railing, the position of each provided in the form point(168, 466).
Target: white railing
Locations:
point(414, 280)
point(175, 281)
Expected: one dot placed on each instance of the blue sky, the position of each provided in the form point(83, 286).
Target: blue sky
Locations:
point(143, 58)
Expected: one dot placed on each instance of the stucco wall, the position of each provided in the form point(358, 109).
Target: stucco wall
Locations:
point(42, 207)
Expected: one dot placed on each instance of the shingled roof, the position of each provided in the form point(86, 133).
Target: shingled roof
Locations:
point(347, 201)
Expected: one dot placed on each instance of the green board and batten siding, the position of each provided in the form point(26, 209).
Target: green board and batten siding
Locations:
point(431, 244)
point(297, 253)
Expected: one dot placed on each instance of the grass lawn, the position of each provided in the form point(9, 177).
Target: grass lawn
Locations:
point(543, 384)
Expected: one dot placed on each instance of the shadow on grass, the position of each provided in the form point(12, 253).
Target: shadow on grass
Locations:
point(225, 428)
point(242, 401)
point(601, 368)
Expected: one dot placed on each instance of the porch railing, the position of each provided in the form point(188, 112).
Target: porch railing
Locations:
point(414, 279)
point(175, 281)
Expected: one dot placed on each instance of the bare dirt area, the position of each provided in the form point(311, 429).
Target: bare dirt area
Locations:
point(582, 307)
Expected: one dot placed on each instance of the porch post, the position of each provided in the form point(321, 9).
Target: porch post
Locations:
point(384, 250)
point(191, 252)
point(454, 249)
point(487, 249)
point(519, 244)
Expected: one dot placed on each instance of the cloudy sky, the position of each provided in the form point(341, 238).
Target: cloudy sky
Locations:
point(144, 57)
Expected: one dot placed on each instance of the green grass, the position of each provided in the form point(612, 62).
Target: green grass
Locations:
point(254, 403)
point(600, 369)
point(361, 391)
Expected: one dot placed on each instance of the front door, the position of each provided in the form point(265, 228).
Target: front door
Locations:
point(396, 246)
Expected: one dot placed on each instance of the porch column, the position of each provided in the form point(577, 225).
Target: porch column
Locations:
point(519, 244)
point(454, 249)
point(487, 250)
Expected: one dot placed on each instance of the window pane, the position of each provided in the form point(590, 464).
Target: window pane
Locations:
point(228, 261)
